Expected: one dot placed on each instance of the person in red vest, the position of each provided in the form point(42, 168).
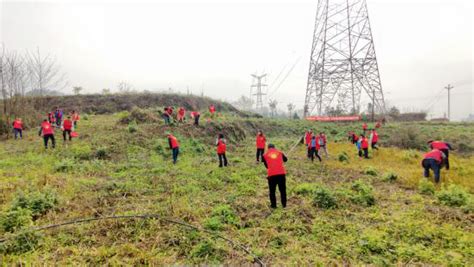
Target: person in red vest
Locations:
point(196, 115)
point(181, 114)
point(433, 160)
point(51, 118)
point(67, 128)
point(47, 131)
point(18, 128)
point(276, 174)
point(313, 148)
point(378, 125)
point(323, 143)
point(374, 139)
point(260, 142)
point(174, 146)
point(364, 127)
point(443, 147)
point(221, 145)
point(212, 110)
point(364, 145)
point(307, 136)
point(75, 118)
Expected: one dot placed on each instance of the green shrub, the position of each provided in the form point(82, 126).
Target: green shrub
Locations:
point(363, 194)
point(37, 202)
point(214, 224)
point(226, 215)
point(81, 152)
point(371, 171)
point(21, 243)
point(132, 127)
point(64, 165)
point(343, 157)
point(390, 177)
point(101, 153)
point(426, 187)
point(305, 189)
point(453, 196)
point(85, 117)
point(324, 198)
point(207, 251)
point(13, 220)
point(123, 116)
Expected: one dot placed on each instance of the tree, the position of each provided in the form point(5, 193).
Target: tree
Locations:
point(273, 106)
point(244, 103)
point(77, 90)
point(106, 91)
point(394, 112)
point(290, 107)
point(44, 73)
point(124, 87)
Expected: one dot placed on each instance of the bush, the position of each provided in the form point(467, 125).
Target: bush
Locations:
point(81, 152)
point(13, 220)
point(85, 117)
point(370, 171)
point(343, 157)
point(390, 177)
point(453, 196)
point(363, 194)
point(323, 198)
point(132, 127)
point(38, 203)
point(64, 165)
point(305, 189)
point(101, 153)
point(214, 224)
point(225, 214)
point(21, 243)
point(207, 251)
point(426, 187)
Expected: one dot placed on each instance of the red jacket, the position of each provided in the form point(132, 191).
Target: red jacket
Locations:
point(51, 117)
point(364, 143)
point(260, 142)
point(364, 126)
point(375, 137)
point(212, 109)
point(434, 154)
point(173, 141)
point(17, 124)
point(221, 146)
point(181, 111)
point(46, 128)
point(439, 145)
point(169, 110)
point(195, 113)
point(67, 124)
point(274, 162)
point(307, 138)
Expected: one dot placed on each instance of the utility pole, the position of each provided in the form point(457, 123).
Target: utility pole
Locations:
point(257, 82)
point(373, 105)
point(449, 88)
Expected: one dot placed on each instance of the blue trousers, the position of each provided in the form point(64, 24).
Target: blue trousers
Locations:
point(18, 132)
point(435, 166)
point(175, 154)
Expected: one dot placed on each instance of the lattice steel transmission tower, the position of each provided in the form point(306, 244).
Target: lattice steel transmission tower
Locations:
point(343, 66)
point(259, 85)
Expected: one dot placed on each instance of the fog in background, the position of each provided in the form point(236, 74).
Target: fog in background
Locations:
point(214, 46)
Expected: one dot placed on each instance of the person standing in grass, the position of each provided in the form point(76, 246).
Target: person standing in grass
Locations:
point(67, 128)
point(276, 174)
point(323, 143)
point(18, 128)
point(364, 127)
point(75, 118)
point(374, 138)
point(196, 115)
point(314, 147)
point(307, 140)
point(47, 131)
point(260, 142)
point(174, 146)
point(166, 116)
point(212, 110)
point(443, 147)
point(181, 114)
point(221, 145)
point(364, 145)
point(433, 160)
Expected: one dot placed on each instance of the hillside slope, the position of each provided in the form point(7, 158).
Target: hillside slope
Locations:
point(344, 211)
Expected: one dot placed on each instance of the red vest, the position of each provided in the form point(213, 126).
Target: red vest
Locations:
point(75, 117)
point(17, 124)
point(221, 147)
point(170, 110)
point(51, 117)
point(194, 114)
point(364, 126)
point(261, 141)
point(434, 154)
point(181, 111)
point(274, 160)
point(212, 109)
point(364, 143)
point(375, 137)
point(46, 128)
point(174, 141)
point(308, 137)
point(439, 145)
point(67, 124)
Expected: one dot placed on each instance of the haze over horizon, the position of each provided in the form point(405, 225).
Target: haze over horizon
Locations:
point(214, 46)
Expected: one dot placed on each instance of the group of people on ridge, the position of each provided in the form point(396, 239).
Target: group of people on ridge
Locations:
point(365, 141)
point(68, 126)
point(168, 116)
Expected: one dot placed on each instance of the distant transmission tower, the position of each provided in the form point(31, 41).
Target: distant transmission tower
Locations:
point(343, 65)
point(258, 92)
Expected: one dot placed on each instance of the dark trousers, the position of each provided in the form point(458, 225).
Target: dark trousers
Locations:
point(175, 154)
point(446, 160)
point(68, 132)
point(260, 152)
point(18, 132)
point(313, 152)
point(364, 152)
point(196, 120)
point(431, 164)
point(166, 117)
point(273, 182)
point(46, 139)
point(374, 145)
point(75, 125)
point(222, 160)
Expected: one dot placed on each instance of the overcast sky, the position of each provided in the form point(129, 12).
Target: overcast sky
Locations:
point(215, 45)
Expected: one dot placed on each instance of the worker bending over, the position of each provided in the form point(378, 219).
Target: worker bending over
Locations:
point(276, 174)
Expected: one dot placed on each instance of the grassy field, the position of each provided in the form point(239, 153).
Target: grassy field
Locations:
point(345, 210)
